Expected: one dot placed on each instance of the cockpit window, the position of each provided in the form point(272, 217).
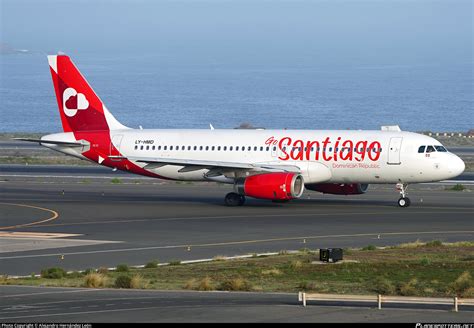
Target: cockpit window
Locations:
point(430, 149)
point(421, 149)
point(440, 148)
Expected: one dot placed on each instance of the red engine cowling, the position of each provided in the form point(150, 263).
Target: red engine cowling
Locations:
point(340, 189)
point(277, 186)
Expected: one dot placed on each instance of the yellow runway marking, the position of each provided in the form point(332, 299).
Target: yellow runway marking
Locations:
point(35, 235)
point(54, 217)
point(246, 216)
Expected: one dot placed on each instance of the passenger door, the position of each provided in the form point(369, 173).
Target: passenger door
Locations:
point(394, 151)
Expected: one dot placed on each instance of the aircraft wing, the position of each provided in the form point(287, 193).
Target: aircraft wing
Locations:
point(193, 164)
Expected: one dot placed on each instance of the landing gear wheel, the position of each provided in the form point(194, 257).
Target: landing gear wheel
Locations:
point(234, 199)
point(404, 202)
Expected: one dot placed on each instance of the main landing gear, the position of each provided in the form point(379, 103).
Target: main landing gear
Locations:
point(403, 201)
point(234, 199)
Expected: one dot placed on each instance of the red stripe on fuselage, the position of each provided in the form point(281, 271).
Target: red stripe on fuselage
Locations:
point(101, 145)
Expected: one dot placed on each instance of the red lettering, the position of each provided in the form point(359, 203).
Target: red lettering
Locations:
point(325, 145)
point(283, 146)
point(271, 141)
point(309, 146)
point(298, 147)
point(347, 150)
point(374, 150)
point(360, 150)
point(336, 146)
point(344, 150)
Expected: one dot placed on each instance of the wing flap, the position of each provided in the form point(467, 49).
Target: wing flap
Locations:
point(193, 164)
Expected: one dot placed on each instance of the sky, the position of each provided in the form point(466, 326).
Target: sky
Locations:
point(256, 31)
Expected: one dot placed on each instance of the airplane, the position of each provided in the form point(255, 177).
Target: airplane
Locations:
point(275, 165)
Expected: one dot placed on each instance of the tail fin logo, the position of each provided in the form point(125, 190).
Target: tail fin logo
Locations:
point(73, 102)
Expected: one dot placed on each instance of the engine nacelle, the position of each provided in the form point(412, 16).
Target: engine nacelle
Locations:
point(275, 186)
point(340, 189)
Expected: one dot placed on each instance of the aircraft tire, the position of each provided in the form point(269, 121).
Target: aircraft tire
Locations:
point(404, 202)
point(233, 199)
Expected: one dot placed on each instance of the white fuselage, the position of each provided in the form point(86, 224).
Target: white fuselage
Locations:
point(396, 157)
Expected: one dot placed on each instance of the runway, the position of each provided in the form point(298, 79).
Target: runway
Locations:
point(79, 225)
point(14, 171)
point(37, 304)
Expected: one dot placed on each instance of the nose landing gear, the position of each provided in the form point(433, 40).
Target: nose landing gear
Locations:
point(403, 201)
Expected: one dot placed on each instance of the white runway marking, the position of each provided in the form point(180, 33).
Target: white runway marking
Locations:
point(76, 313)
point(46, 293)
point(240, 243)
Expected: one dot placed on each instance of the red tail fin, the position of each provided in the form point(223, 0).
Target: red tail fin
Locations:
point(79, 106)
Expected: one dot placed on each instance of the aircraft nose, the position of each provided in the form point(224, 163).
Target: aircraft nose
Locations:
point(456, 166)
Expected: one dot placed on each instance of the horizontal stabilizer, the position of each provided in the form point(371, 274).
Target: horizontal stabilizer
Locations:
point(53, 142)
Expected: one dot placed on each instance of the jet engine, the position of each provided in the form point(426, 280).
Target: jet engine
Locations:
point(274, 186)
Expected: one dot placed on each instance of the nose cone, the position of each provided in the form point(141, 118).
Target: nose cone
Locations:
point(456, 166)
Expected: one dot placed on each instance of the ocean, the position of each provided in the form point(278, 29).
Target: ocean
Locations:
point(164, 91)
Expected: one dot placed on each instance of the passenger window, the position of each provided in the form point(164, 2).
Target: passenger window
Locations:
point(136, 147)
point(268, 148)
point(165, 147)
point(182, 147)
point(153, 148)
point(430, 149)
point(171, 147)
point(213, 147)
point(195, 148)
point(421, 149)
point(230, 148)
point(255, 148)
point(159, 147)
point(274, 148)
point(261, 148)
point(141, 147)
point(225, 148)
point(219, 148)
point(189, 147)
point(207, 147)
point(200, 147)
point(236, 148)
